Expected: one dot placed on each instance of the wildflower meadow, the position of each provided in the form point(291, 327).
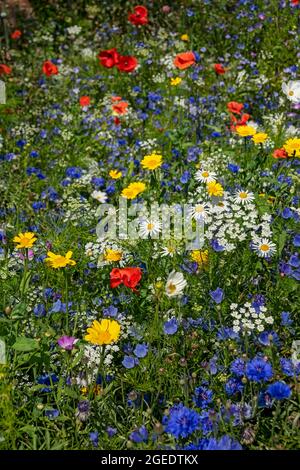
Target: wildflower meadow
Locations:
point(149, 225)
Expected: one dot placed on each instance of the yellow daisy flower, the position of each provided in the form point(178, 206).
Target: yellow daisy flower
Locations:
point(59, 261)
point(245, 131)
point(260, 137)
point(152, 161)
point(103, 332)
point(25, 240)
point(115, 174)
point(133, 190)
point(215, 189)
point(292, 147)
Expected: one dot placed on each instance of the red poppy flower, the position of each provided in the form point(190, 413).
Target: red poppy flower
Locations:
point(235, 107)
point(109, 58)
point(117, 121)
point(120, 108)
point(84, 101)
point(140, 15)
point(130, 277)
point(49, 68)
point(219, 69)
point(127, 63)
point(16, 34)
point(184, 60)
point(280, 153)
point(5, 69)
point(239, 122)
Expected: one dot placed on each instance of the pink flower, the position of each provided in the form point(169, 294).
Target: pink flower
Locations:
point(66, 342)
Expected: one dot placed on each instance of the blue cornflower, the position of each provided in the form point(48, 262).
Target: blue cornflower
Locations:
point(268, 338)
point(141, 350)
point(73, 172)
point(224, 443)
point(238, 367)
point(139, 435)
point(182, 421)
point(279, 390)
point(289, 368)
point(259, 370)
point(233, 386)
point(233, 168)
point(203, 397)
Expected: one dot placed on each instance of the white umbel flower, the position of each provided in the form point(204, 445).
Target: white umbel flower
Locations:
point(175, 284)
point(292, 90)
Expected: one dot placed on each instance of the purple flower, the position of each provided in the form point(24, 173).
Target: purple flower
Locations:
point(217, 295)
point(66, 342)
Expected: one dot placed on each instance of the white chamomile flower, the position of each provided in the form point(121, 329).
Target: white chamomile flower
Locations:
point(243, 197)
point(169, 250)
point(292, 90)
point(149, 228)
point(200, 211)
point(264, 247)
point(100, 196)
point(205, 176)
point(175, 284)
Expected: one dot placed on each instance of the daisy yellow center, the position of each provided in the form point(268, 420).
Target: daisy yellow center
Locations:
point(172, 288)
point(199, 209)
point(205, 174)
point(291, 93)
point(264, 247)
point(150, 226)
point(243, 195)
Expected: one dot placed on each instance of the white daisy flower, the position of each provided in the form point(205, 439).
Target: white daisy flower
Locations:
point(199, 212)
point(169, 250)
point(149, 228)
point(243, 197)
point(175, 284)
point(100, 196)
point(292, 90)
point(264, 247)
point(205, 176)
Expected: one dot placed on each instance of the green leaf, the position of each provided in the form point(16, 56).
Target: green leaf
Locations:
point(25, 344)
